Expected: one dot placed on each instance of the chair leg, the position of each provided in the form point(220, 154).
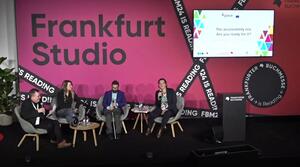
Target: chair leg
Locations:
point(94, 135)
point(74, 138)
point(84, 135)
point(180, 127)
point(141, 123)
point(35, 138)
point(124, 127)
point(21, 141)
point(101, 127)
point(152, 128)
point(173, 132)
point(37, 142)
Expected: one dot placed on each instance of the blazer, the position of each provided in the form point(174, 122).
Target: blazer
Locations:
point(121, 100)
point(172, 100)
point(29, 113)
point(61, 103)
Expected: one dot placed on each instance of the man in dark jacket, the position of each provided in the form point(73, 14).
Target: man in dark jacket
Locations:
point(113, 102)
point(33, 111)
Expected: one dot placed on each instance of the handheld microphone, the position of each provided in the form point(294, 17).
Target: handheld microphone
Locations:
point(159, 95)
point(42, 106)
point(114, 103)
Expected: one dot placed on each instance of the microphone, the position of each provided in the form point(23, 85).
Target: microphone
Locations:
point(114, 103)
point(159, 95)
point(42, 106)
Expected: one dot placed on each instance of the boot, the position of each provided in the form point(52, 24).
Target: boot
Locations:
point(148, 132)
point(52, 141)
point(63, 144)
point(159, 133)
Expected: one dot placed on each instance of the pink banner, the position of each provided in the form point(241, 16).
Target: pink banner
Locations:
point(93, 42)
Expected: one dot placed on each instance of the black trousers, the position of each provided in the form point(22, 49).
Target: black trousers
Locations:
point(156, 113)
point(52, 127)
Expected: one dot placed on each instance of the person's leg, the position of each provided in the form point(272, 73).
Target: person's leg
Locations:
point(46, 124)
point(108, 121)
point(67, 113)
point(71, 117)
point(151, 116)
point(53, 129)
point(117, 118)
point(61, 142)
point(57, 131)
point(61, 113)
point(167, 115)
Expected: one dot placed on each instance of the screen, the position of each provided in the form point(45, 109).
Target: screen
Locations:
point(233, 33)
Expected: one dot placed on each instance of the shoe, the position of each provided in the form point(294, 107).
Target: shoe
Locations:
point(159, 133)
point(63, 144)
point(118, 136)
point(53, 141)
point(148, 132)
point(110, 136)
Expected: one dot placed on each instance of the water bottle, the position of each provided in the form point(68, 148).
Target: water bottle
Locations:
point(87, 120)
point(140, 105)
point(84, 121)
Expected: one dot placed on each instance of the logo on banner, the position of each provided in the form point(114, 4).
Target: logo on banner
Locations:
point(265, 42)
point(264, 84)
point(99, 52)
point(287, 3)
point(234, 98)
point(277, 2)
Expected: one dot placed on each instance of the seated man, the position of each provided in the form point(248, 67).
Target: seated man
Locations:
point(165, 106)
point(113, 102)
point(33, 111)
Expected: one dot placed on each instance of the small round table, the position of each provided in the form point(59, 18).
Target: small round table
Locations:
point(90, 126)
point(142, 114)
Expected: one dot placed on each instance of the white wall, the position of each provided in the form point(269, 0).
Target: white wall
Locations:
point(8, 45)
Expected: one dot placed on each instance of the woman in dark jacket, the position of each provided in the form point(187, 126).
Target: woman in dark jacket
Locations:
point(66, 97)
point(165, 106)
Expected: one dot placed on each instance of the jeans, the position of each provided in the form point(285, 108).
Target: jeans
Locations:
point(66, 113)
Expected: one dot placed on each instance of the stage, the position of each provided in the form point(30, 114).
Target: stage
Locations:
point(274, 137)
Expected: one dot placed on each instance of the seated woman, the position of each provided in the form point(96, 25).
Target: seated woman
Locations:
point(165, 106)
point(65, 98)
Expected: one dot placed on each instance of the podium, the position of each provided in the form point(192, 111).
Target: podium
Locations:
point(232, 107)
point(234, 121)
